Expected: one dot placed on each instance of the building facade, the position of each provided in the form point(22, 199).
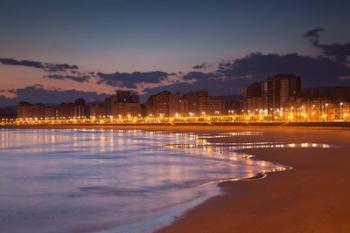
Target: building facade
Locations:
point(271, 94)
point(77, 109)
point(28, 110)
point(123, 104)
point(199, 103)
point(280, 89)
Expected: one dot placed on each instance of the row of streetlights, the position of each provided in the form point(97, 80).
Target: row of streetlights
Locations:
point(292, 113)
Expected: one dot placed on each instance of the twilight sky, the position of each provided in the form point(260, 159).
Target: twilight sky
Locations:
point(52, 51)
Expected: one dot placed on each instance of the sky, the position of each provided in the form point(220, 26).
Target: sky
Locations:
point(52, 51)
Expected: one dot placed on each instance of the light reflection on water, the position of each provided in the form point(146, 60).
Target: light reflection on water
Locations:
point(128, 181)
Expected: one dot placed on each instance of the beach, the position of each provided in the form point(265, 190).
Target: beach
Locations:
point(311, 197)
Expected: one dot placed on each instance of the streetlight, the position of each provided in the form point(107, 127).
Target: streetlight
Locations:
point(341, 110)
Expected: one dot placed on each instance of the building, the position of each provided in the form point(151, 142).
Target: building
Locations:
point(77, 109)
point(158, 105)
point(164, 104)
point(28, 110)
point(126, 110)
point(279, 89)
point(175, 105)
point(183, 106)
point(271, 94)
point(252, 90)
point(233, 104)
point(7, 113)
point(197, 103)
point(98, 110)
point(252, 97)
point(81, 109)
point(216, 105)
point(50, 112)
point(330, 94)
point(143, 110)
point(123, 104)
point(320, 104)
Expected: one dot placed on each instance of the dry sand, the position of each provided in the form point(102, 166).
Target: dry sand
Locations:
point(314, 197)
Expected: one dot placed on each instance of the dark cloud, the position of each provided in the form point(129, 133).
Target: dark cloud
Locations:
point(38, 65)
point(4, 101)
point(80, 79)
point(330, 69)
point(213, 82)
point(228, 78)
point(38, 94)
point(203, 65)
point(338, 52)
point(34, 64)
point(320, 71)
point(314, 33)
point(59, 67)
point(130, 80)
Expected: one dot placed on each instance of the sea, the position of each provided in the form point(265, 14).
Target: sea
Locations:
point(113, 181)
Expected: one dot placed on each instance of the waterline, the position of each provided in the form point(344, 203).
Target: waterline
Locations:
point(66, 180)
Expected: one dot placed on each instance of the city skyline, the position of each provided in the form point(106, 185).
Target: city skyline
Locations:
point(166, 45)
point(278, 98)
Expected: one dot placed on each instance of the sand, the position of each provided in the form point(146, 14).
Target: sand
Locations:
point(313, 197)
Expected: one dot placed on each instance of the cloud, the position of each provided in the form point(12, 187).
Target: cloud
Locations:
point(203, 65)
point(203, 81)
point(171, 80)
point(38, 94)
point(319, 71)
point(227, 78)
point(80, 79)
point(338, 52)
point(7, 94)
point(49, 67)
point(313, 34)
point(344, 77)
point(5, 101)
point(129, 80)
point(142, 82)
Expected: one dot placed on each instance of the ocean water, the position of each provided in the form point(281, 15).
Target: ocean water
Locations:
point(111, 181)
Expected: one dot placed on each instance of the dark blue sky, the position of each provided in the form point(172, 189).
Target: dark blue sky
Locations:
point(96, 46)
point(130, 35)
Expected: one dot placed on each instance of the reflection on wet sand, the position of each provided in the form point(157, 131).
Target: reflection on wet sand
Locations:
point(233, 151)
point(90, 179)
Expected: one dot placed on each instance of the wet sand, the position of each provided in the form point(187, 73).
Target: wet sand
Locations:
point(311, 198)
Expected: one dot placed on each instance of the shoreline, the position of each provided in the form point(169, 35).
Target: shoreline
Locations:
point(181, 210)
point(194, 127)
point(312, 197)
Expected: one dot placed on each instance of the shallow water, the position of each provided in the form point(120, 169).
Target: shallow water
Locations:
point(109, 180)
